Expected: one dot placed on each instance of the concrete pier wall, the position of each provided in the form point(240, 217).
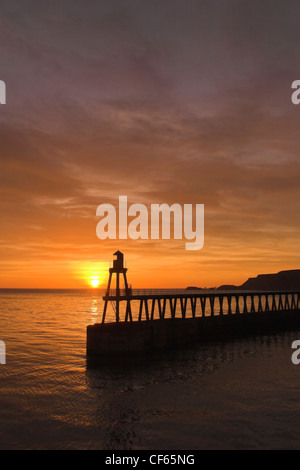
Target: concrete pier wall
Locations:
point(113, 340)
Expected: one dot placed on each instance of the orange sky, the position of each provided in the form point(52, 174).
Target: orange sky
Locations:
point(181, 105)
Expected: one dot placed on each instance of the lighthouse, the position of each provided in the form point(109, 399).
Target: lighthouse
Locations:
point(118, 269)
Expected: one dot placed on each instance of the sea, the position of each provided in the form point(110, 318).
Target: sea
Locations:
point(242, 394)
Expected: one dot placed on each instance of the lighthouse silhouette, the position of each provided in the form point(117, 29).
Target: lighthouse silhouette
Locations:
point(118, 269)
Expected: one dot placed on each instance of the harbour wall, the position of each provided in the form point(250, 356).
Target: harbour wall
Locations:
point(124, 339)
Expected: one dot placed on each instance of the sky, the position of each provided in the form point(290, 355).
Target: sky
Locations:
point(165, 102)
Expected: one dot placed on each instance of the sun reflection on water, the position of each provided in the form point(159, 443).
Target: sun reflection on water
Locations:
point(95, 308)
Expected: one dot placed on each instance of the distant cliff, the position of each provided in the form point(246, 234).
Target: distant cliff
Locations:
point(284, 280)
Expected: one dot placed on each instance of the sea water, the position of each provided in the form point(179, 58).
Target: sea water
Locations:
point(242, 394)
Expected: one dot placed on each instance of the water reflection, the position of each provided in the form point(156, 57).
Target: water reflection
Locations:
point(139, 402)
point(95, 310)
point(243, 394)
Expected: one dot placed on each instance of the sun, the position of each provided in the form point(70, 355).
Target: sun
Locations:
point(95, 282)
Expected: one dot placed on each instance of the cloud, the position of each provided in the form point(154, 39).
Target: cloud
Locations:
point(162, 101)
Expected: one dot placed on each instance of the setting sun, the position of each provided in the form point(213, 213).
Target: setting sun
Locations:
point(95, 282)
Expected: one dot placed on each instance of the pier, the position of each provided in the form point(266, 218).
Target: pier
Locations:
point(174, 317)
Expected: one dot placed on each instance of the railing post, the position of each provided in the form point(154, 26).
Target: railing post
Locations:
point(164, 308)
point(159, 309)
point(252, 304)
point(229, 298)
point(193, 305)
point(212, 305)
point(274, 306)
point(280, 306)
point(146, 309)
point(267, 303)
point(183, 302)
point(173, 302)
point(260, 309)
point(153, 308)
point(237, 307)
point(245, 310)
point(287, 302)
point(128, 311)
point(141, 309)
point(220, 297)
point(203, 305)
